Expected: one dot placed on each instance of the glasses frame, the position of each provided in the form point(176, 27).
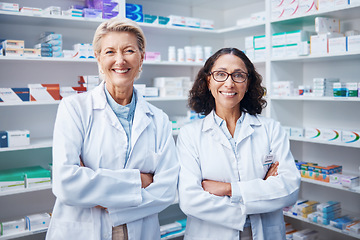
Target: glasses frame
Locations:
point(229, 74)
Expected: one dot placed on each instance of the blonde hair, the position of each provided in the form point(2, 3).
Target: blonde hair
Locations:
point(118, 25)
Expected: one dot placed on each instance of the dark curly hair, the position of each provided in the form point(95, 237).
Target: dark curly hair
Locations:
point(202, 101)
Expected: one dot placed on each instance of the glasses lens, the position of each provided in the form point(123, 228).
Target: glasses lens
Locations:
point(220, 76)
point(239, 76)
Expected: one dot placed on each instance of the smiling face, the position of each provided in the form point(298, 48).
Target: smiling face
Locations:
point(120, 61)
point(228, 94)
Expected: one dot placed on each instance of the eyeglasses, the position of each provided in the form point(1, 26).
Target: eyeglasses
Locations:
point(221, 76)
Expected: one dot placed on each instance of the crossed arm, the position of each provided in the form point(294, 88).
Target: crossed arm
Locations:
point(224, 189)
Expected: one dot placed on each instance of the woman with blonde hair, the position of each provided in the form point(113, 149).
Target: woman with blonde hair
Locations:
point(114, 159)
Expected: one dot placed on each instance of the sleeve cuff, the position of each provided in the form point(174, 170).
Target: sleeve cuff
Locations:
point(235, 193)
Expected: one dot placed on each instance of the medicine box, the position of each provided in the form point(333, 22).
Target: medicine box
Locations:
point(278, 39)
point(44, 92)
point(313, 133)
point(13, 52)
point(168, 82)
point(37, 221)
point(337, 45)
point(206, 23)
point(36, 176)
point(341, 222)
point(13, 227)
point(325, 25)
point(18, 138)
point(351, 89)
point(192, 22)
point(353, 43)
point(332, 135)
point(151, 92)
point(92, 13)
point(328, 206)
point(150, 18)
point(32, 53)
point(14, 95)
point(68, 91)
point(296, 36)
point(153, 56)
point(13, 44)
point(350, 181)
point(13, 7)
point(307, 7)
point(249, 42)
point(177, 20)
point(296, 132)
point(259, 41)
point(339, 89)
point(11, 179)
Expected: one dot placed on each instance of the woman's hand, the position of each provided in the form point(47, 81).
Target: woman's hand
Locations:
point(146, 179)
point(217, 188)
point(272, 170)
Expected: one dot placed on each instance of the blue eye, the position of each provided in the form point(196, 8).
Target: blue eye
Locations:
point(109, 52)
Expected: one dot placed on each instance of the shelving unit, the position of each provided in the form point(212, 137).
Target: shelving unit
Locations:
point(319, 112)
point(39, 117)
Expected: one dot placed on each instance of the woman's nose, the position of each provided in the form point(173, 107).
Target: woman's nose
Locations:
point(119, 57)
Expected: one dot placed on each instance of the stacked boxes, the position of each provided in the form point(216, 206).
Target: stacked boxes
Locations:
point(172, 86)
point(19, 95)
point(13, 48)
point(282, 88)
point(50, 45)
point(325, 212)
point(289, 44)
point(323, 86)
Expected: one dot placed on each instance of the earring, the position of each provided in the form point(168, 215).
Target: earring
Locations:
point(101, 71)
point(140, 69)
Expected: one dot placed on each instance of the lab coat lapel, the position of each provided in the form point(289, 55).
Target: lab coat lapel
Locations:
point(247, 127)
point(100, 103)
point(214, 130)
point(141, 120)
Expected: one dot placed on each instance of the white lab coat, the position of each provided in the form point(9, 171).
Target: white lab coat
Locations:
point(86, 126)
point(204, 152)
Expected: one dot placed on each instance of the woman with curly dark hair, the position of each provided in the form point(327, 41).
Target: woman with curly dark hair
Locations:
point(237, 171)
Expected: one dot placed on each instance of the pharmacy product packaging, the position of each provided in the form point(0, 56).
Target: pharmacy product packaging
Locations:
point(341, 222)
point(12, 7)
point(14, 95)
point(325, 25)
point(164, 82)
point(36, 176)
point(13, 44)
point(206, 23)
point(351, 137)
point(349, 181)
point(352, 89)
point(339, 89)
point(332, 135)
point(354, 227)
point(13, 52)
point(259, 41)
point(353, 43)
point(307, 7)
point(153, 56)
point(192, 22)
point(32, 53)
point(296, 132)
point(328, 206)
point(11, 179)
point(278, 39)
point(44, 92)
point(18, 138)
point(312, 133)
point(140, 88)
point(68, 91)
point(177, 20)
point(37, 221)
point(151, 19)
point(151, 92)
point(338, 45)
point(13, 227)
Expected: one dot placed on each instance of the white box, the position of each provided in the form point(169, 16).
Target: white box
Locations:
point(296, 132)
point(192, 22)
point(17, 138)
point(44, 92)
point(296, 36)
point(278, 51)
point(291, 50)
point(13, 227)
point(291, 9)
point(249, 42)
point(325, 25)
point(319, 44)
point(206, 24)
point(259, 54)
point(13, 7)
point(341, 3)
point(351, 137)
point(353, 43)
point(162, 82)
point(337, 45)
point(259, 41)
point(304, 48)
point(13, 44)
point(349, 181)
point(278, 39)
point(331, 135)
point(170, 92)
point(151, 92)
point(177, 20)
point(140, 88)
point(37, 221)
point(313, 133)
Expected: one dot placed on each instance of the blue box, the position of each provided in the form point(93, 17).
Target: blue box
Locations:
point(3, 139)
point(133, 8)
point(137, 17)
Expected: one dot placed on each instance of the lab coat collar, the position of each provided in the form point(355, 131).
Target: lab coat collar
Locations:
point(245, 131)
point(249, 120)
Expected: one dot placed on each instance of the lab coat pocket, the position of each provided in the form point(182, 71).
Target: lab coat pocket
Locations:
point(63, 230)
